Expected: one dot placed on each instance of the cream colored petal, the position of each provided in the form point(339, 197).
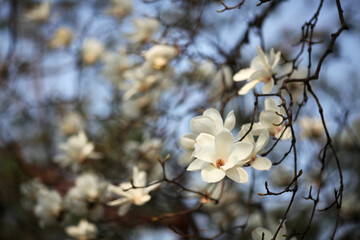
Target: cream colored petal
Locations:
point(238, 174)
point(248, 86)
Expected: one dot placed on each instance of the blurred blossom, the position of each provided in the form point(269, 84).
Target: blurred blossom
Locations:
point(144, 30)
point(83, 231)
point(262, 69)
point(217, 157)
point(268, 235)
point(40, 13)
point(222, 80)
point(92, 50)
point(130, 195)
point(76, 151)
point(87, 196)
point(159, 56)
point(71, 124)
point(281, 176)
point(115, 65)
point(29, 191)
point(312, 128)
point(49, 207)
point(62, 38)
point(120, 8)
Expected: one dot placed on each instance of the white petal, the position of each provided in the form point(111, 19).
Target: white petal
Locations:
point(118, 202)
point(197, 165)
point(271, 104)
point(204, 140)
point(187, 141)
point(211, 174)
point(216, 117)
point(263, 57)
point(238, 174)
point(124, 209)
point(206, 154)
point(151, 188)
point(268, 86)
point(269, 118)
point(240, 151)
point(230, 121)
point(202, 124)
point(276, 59)
point(261, 163)
point(248, 86)
point(257, 234)
point(223, 144)
point(262, 141)
point(243, 74)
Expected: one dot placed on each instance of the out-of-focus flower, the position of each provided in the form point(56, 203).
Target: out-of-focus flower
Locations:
point(130, 195)
point(116, 65)
point(257, 162)
point(218, 157)
point(75, 151)
point(61, 38)
point(71, 124)
point(268, 235)
point(272, 119)
point(281, 177)
point(40, 13)
point(210, 122)
point(222, 80)
point(144, 30)
point(262, 69)
point(83, 231)
point(312, 128)
point(92, 50)
point(87, 195)
point(30, 191)
point(159, 56)
point(120, 8)
point(49, 207)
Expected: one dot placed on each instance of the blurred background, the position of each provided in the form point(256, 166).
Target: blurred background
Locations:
point(68, 67)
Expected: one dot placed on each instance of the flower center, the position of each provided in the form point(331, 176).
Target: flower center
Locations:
point(267, 78)
point(253, 158)
point(278, 129)
point(220, 163)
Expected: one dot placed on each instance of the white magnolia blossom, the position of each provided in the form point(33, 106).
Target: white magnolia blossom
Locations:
point(257, 162)
point(120, 8)
point(83, 231)
point(312, 128)
point(30, 192)
point(138, 195)
point(268, 235)
point(75, 151)
point(222, 79)
point(210, 122)
point(61, 38)
point(217, 157)
point(115, 65)
point(49, 207)
point(159, 56)
point(87, 195)
point(40, 13)
point(71, 124)
point(92, 50)
point(144, 30)
point(262, 69)
point(133, 109)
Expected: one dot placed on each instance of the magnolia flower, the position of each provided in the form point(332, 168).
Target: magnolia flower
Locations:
point(160, 55)
point(222, 79)
point(49, 207)
point(71, 124)
point(312, 128)
point(210, 122)
point(120, 8)
point(92, 49)
point(61, 38)
point(272, 119)
point(257, 162)
point(83, 231)
point(145, 28)
point(115, 65)
point(75, 151)
point(133, 109)
point(40, 13)
point(219, 156)
point(262, 69)
point(87, 195)
point(30, 192)
point(268, 235)
point(130, 195)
